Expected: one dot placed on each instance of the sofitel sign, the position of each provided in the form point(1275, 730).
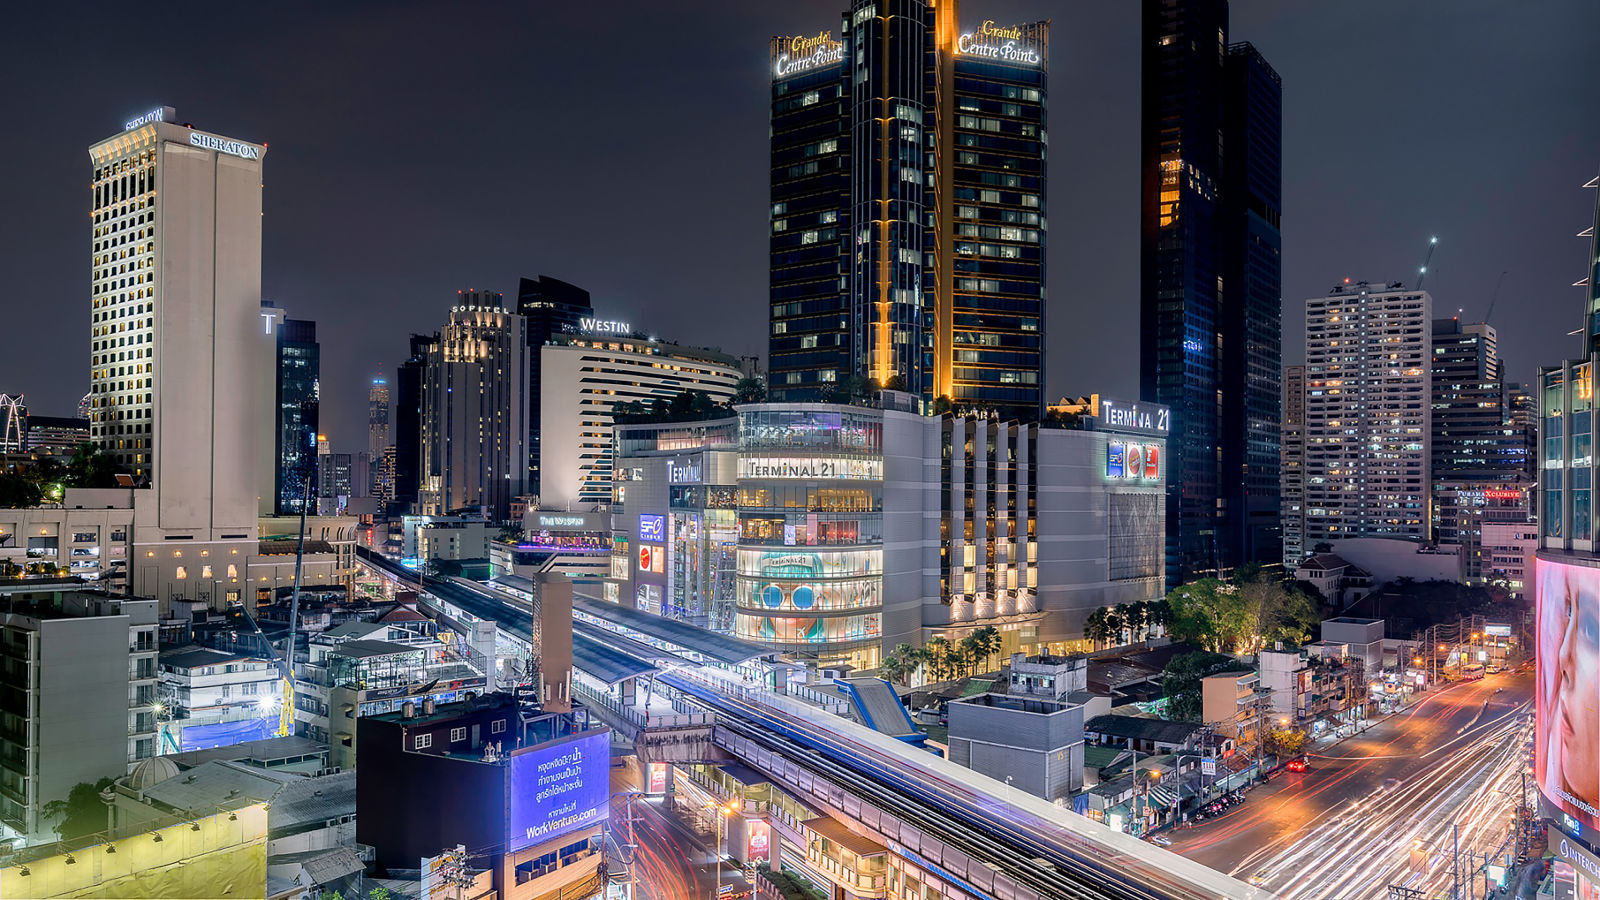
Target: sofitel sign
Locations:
point(223, 145)
point(807, 53)
point(992, 41)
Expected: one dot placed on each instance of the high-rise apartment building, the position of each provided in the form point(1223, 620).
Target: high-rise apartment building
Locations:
point(584, 377)
point(81, 698)
point(1368, 422)
point(1211, 280)
point(474, 440)
point(299, 372)
point(178, 354)
point(377, 427)
point(908, 207)
point(551, 307)
point(1292, 471)
point(408, 421)
point(1479, 463)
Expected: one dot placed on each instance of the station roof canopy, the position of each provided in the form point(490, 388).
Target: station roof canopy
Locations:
point(607, 664)
point(677, 634)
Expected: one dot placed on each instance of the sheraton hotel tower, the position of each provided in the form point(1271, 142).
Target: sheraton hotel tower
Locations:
point(908, 206)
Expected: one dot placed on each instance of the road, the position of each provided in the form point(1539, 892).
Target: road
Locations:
point(672, 860)
point(1382, 808)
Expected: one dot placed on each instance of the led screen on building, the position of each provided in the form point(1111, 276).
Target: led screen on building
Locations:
point(556, 788)
point(1567, 746)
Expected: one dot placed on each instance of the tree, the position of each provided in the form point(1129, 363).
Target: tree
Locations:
point(1158, 613)
point(380, 893)
point(1137, 618)
point(1204, 612)
point(1180, 681)
point(895, 383)
point(89, 468)
point(1096, 629)
point(942, 406)
point(861, 388)
point(900, 664)
point(988, 642)
point(750, 389)
point(938, 650)
point(18, 491)
point(82, 812)
point(1282, 742)
point(1114, 625)
point(972, 647)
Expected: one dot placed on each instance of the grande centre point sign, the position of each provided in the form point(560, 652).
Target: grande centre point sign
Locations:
point(802, 54)
point(998, 42)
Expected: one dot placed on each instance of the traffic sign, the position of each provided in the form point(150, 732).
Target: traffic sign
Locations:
point(1208, 766)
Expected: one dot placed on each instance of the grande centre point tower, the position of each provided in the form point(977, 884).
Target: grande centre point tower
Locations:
point(908, 206)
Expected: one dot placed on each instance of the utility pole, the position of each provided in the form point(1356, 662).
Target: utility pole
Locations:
point(1455, 861)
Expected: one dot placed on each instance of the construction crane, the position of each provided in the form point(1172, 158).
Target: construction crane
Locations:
point(1494, 296)
point(1422, 273)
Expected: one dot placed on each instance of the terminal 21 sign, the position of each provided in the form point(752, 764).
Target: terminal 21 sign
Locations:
point(1129, 461)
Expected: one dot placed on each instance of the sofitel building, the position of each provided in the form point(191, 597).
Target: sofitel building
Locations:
point(908, 207)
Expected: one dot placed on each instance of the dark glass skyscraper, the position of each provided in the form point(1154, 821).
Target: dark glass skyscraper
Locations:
point(1211, 282)
point(908, 203)
point(550, 307)
point(299, 369)
point(408, 421)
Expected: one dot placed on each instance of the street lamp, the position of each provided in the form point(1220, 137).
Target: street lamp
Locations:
point(723, 812)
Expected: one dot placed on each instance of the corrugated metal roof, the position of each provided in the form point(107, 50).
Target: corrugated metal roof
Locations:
point(720, 647)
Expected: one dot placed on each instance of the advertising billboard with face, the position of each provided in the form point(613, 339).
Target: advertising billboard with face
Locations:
point(1567, 746)
point(556, 788)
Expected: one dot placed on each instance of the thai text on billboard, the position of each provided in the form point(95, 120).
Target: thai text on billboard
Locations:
point(556, 788)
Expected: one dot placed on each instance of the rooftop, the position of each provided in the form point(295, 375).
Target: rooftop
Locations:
point(1016, 704)
point(834, 831)
point(364, 649)
point(1139, 728)
point(270, 753)
point(193, 656)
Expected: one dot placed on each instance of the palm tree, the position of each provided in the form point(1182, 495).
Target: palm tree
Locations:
point(1159, 614)
point(1138, 620)
point(938, 650)
point(988, 642)
point(1113, 625)
point(1095, 628)
point(971, 651)
point(900, 664)
point(1124, 623)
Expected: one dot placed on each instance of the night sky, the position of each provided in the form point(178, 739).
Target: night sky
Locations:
point(418, 149)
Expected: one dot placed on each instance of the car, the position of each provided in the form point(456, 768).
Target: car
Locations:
point(1160, 840)
point(1391, 783)
point(1298, 764)
point(1259, 878)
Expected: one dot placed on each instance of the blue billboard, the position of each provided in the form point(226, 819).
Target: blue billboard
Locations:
point(556, 788)
point(652, 528)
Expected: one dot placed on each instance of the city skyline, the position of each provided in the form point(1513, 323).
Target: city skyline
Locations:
point(328, 161)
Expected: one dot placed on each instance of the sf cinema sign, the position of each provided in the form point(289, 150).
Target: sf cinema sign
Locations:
point(1130, 461)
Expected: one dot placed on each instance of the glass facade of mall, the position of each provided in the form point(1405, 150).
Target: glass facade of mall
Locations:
point(810, 554)
point(907, 220)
